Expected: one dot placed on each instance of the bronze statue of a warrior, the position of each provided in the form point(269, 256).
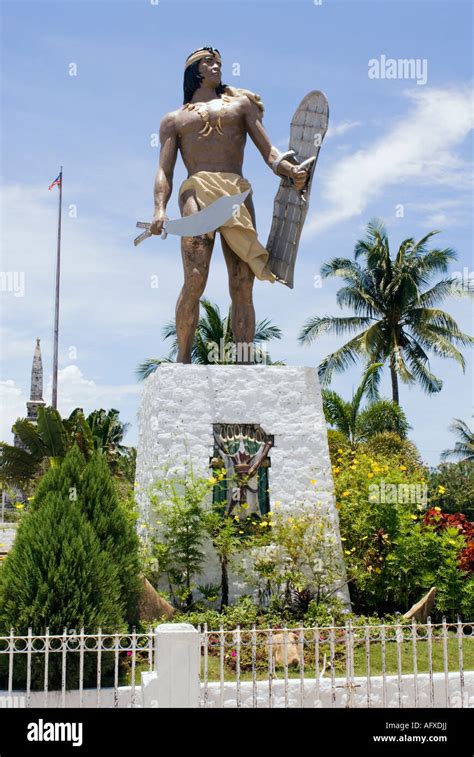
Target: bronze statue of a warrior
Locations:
point(210, 130)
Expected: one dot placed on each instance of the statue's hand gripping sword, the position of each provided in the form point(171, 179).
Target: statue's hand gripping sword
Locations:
point(208, 219)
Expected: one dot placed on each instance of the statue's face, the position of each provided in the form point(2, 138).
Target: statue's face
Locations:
point(210, 70)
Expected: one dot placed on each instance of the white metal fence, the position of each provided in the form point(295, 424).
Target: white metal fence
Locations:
point(400, 665)
point(74, 668)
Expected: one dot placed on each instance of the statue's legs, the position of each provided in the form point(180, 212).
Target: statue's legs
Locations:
point(241, 281)
point(196, 254)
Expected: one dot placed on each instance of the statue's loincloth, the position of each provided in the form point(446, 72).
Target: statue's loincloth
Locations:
point(238, 231)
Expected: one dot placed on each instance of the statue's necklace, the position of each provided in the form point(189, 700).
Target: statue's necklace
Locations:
point(205, 115)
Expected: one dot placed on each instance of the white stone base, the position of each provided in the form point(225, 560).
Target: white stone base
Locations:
point(181, 403)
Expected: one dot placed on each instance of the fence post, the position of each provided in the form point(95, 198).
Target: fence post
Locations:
point(175, 681)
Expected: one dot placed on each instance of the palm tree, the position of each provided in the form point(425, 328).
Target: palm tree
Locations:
point(393, 300)
point(44, 444)
point(464, 448)
point(356, 424)
point(107, 433)
point(213, 341)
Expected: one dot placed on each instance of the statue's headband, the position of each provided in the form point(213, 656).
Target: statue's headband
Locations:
point(200, 54)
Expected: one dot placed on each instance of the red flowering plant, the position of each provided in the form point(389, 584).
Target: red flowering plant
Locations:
point(438, 520)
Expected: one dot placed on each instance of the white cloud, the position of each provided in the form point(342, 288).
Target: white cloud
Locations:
point(443, 213)
point(15, 345)
point(74, 390)
point(12, 406)
point(335, 130)
point(436, 220)
point(418, 149)
point(99, 269)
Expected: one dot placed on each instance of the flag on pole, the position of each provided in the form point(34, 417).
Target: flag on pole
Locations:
point(56, 182)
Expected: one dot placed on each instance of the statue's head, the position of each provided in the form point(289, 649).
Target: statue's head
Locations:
point(202, 67)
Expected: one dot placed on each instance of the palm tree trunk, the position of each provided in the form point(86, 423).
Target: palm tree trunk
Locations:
point(394, 377)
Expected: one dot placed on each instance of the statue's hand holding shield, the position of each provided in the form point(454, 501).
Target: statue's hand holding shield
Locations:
point(299, 177)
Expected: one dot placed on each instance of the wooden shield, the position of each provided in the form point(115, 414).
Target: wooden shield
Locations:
point(308, 127)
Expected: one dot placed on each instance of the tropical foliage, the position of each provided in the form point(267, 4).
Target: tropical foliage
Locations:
point(452, 488)
point(177, 546)
point(390, 446)
point(464, 447)
point(46, 443)
point(188, 522)
point(213, 341)
point(396, 315)
point(289, 561)
point(293, 561)
point(394, 550)
point(358, 424)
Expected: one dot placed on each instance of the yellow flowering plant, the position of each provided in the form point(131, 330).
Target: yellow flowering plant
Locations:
point(296, 561)
point(393, 555)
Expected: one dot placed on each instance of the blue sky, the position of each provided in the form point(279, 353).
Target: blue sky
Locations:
point(392, 142)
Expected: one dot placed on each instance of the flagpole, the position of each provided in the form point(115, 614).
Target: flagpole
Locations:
point(54, 399)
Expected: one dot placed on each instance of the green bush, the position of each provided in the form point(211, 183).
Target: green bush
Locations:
point(74, 564)
point(177, 552)
point(455, 590)
point(245, 614)
point(293, 560)
point(328, 614)
point(92, 485)
point(452, 487)
point(390, 446)
point(337, 441)
point(63, 478)
point(56, 575)
point(382, 416)
point(114, 528)
point(391, 555)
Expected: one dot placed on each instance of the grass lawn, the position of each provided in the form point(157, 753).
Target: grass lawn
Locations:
point(359, 661)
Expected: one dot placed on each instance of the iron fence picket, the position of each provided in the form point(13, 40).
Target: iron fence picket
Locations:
point(285, 648)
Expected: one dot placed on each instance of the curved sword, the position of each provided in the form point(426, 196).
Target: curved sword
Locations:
point(208, 219)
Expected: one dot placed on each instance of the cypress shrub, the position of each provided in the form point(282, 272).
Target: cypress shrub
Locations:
point(63, 478)
point(94, 487)
point(74, 564)
point(57, 575)
point(114, 530)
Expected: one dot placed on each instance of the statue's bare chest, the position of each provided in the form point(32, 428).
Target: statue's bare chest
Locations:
point(213, 116)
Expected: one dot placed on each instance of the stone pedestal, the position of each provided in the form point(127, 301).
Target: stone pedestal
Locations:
point(181, 403)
